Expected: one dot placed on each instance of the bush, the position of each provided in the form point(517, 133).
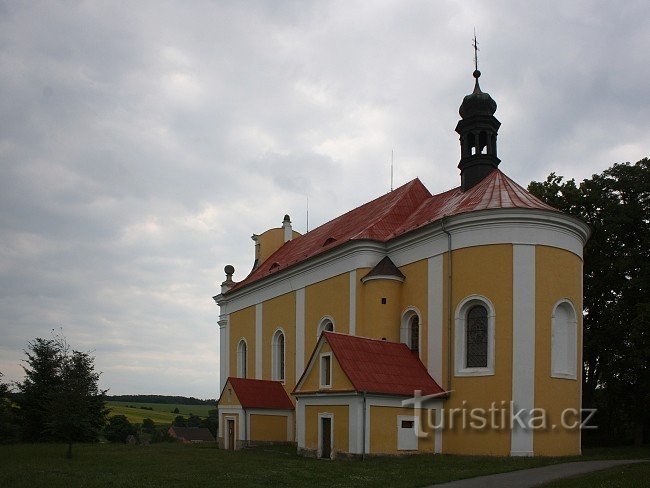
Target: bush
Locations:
point(118, 429)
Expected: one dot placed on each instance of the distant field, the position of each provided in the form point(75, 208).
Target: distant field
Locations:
point(161, 413)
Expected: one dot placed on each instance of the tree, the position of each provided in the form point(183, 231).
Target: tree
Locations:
point(616, 205)
point(179, 421)
point(8, 424)
point(211, 421)
point(148, 426)
point(118, 429)
point(193, 421)
point(42, 379)
point(77, 411)
point(61, 399)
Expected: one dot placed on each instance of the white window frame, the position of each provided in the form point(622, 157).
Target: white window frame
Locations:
point(567, 367)
point(321, 416)
point(460, 336)
point(242, 366)
point(405, 329)
point(407, 439)
point(322, 323)
point(322, 384)
point(278, 373)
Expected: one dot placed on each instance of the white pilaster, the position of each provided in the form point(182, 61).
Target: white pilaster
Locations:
point(353, 302)
point(258, 341)
point(523, 343)
point(300, 422)
point(300, 332)
point(224, 350)
point(435, 281)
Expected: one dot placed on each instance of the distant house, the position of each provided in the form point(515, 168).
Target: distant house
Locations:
point(191, 434)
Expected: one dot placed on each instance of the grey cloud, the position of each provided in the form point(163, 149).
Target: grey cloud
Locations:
point(141, 147)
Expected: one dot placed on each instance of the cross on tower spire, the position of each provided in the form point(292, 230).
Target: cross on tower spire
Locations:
point(476, 50)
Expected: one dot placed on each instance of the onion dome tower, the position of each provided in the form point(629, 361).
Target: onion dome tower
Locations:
point(478, 134)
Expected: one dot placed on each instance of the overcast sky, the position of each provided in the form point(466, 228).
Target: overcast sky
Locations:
point(143, 143)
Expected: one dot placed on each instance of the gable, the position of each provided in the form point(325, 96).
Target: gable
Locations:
point(228, 396)
point(310, 382)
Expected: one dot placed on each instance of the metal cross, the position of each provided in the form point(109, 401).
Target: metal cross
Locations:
point(476, 50)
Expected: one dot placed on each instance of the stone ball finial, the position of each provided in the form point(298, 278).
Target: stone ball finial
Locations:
point(229, 270)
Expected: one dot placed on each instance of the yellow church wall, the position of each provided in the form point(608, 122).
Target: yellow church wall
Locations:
point(280, 312)
point(340, 422)
point(486, 271)
point(330, 297)
point(414, 294)
point(242, 325)
point(381, 320)
point(268, 428)
point(270, 241)
point(383, 430)
point(340, 381)
point(558, 276)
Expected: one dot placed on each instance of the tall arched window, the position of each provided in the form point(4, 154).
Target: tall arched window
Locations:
point(477, 337)
point(564, 341)
point(278, 355)
point(326, 324)
point(410, 329)
point(414, 334)
point(242, 357)
point(474, 337)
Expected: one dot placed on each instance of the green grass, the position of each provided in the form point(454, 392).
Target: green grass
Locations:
point(636, 475)
point(161, 413)
point(192, 465)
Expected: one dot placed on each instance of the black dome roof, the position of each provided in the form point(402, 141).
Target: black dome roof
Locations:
point(478, 102)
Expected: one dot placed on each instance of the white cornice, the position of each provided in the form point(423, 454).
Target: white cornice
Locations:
point(483, 227)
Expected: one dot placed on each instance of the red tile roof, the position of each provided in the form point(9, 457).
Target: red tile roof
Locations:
point(376, 366)
point(261, 393)
point(405, 209)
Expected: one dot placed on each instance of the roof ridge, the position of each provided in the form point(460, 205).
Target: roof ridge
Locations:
point(405, 191)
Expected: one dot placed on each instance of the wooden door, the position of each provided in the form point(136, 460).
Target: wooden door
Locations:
point(326, 441)
point(231, 434)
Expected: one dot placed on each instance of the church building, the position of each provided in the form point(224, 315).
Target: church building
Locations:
point(446, 323)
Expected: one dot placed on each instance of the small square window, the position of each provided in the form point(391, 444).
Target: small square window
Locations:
point(384, 301)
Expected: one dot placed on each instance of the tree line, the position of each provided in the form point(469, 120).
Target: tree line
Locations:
point(181, 400)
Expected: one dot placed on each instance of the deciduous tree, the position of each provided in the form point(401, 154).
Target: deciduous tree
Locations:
point(616, 204)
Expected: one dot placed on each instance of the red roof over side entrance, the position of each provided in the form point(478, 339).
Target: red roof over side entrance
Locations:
point(377, 366)
point(261, 394)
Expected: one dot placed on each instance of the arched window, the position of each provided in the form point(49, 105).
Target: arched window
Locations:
point(414, 334)
point(325, 324)
point(278, 355)
point(242, 357)
point(410, 329)
point(474, 337)
point(564, 341)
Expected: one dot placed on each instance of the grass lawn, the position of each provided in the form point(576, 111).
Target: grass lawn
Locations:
point(190, 465)
point(636, 475)
point(161, 413)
